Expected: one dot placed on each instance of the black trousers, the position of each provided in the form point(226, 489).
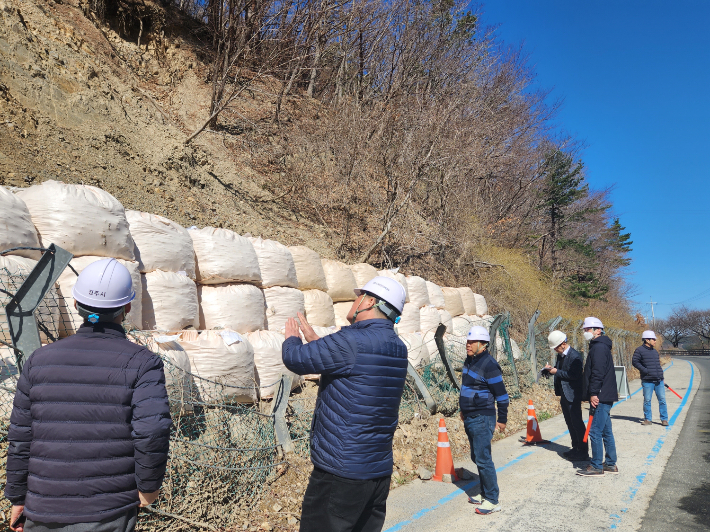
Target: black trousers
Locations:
point(337, 504)
point(572, 411)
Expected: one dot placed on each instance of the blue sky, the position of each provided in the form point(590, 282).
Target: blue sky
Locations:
point(635, 80)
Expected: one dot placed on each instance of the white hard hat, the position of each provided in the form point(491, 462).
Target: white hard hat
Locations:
point(592, 323)
point(648, 334)
point(105, 283)
point(478, 333)
point(556, 338)
point(387, 289)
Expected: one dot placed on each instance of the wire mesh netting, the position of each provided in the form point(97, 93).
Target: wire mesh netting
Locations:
point(223, 453)
point(623, 344)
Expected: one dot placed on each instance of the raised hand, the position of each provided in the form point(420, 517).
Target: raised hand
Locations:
point(292, 328)
point(308, 333)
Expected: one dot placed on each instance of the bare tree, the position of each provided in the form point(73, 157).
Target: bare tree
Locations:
point(697, 322)
point(674, 328)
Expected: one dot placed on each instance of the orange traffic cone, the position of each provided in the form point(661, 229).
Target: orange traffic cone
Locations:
point(444, 460)
point(534, 437)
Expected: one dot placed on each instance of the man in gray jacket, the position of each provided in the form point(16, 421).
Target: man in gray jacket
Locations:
point(567, 373)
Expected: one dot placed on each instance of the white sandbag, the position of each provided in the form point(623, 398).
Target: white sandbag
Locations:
point(501, 354)
point(517, 352)
point(436, 296)
point(16, 227)
point(275, 262)
point(429, 339)
point(447, 320)
point(161, 244)
point(340, 279)
point(82, 219)
point(418, 293)
point(487, 320)
point(452, 298)
point(399, 277)
point(282, 303)
point(468, 298)
point(309, 270)
point(222, 256)
point(225, 360)
point(409, 322)
point(481, 305)
point(462, 324)
point(417, 351)
point(363, 273)
point(70, 320)
point(341, 311)
point(177, 370)
point(237, 306)
point(429, 318)
point(319, 308)
point(13, 272)
point(169, 301)
point(268, 360)
point(325, 331)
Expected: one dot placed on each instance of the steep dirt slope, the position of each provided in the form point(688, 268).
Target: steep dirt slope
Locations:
point(78, 103)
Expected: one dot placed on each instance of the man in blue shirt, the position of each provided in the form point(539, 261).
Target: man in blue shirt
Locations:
point(482, 388)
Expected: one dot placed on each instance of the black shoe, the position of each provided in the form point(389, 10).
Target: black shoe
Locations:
point(569, 453)
point(590, 471)
point(580, 456)
point(611, 469)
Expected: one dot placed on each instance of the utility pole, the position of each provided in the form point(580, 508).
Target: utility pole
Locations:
point(653, 315)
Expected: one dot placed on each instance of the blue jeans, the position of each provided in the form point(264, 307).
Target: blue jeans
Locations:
point(479, 430)
point(648, 389)
point(601, 437)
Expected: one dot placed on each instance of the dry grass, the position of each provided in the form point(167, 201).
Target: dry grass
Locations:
point(520, 287)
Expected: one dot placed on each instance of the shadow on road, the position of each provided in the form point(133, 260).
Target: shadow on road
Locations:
point(696, 503)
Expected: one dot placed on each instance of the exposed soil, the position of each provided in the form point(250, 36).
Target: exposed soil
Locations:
point(80, 104)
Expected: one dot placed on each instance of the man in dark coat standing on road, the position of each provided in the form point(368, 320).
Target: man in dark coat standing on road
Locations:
point(568, 372)
point(647, 360)
point(600, 390)
point(90, 425)
point(363, 368)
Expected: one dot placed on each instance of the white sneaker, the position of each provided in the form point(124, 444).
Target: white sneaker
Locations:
point(477, 500)
point(487, 507)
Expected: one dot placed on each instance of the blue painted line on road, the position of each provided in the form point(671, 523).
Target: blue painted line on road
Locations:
point(452, 495)
point(398, 526)
point(633, 490)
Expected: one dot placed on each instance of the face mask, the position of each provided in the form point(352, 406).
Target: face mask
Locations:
point(588, 335)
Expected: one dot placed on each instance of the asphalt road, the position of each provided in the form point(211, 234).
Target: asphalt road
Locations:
point(539, 491)
point(682, 499)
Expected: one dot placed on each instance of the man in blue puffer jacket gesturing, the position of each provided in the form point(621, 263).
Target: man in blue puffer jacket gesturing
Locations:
point(363, 368)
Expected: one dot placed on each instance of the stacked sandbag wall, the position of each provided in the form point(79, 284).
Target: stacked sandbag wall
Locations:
point(213, 279)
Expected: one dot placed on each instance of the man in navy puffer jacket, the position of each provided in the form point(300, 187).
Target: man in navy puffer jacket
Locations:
point(647, 360)
point(89, 430)
point(363, 368)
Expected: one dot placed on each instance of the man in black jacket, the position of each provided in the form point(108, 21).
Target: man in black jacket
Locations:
point(647, 360)
point(90, 426)
point(567, 374)
point(600, 390)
